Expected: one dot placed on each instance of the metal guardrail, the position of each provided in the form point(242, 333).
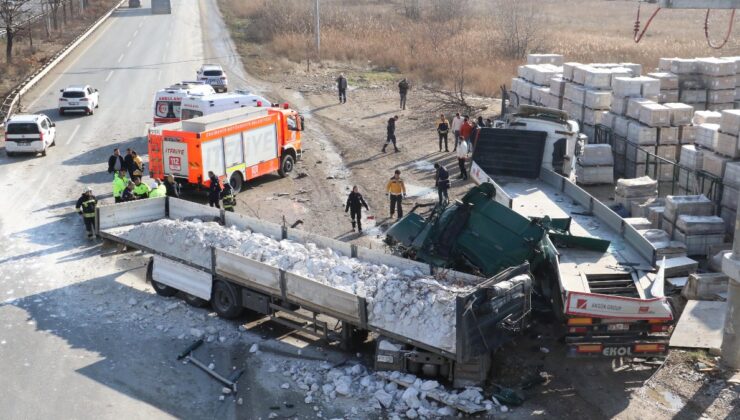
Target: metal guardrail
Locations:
point(12, 100)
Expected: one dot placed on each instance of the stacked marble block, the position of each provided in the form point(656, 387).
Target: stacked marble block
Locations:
point(532, 83)
point(691, 219)
point(595, 165)
point(705, 83)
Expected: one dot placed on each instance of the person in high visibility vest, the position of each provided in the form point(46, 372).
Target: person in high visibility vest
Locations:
point(228, 197)
point(119, 184)
point(158, 189)
point(141, 190)
point(85, 206)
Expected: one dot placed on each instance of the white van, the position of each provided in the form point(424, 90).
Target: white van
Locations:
point(167, 101)
point(194, 106)
point(29, 133)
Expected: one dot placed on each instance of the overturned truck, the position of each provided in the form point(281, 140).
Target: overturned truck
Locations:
point(435, 322)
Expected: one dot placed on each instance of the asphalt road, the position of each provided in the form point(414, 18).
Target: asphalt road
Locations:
point(81, 334)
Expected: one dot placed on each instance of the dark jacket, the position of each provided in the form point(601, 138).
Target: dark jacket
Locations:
point(214, 190)
point(442, 178)
point(443, 127)
point(403, 87)
point(128, 160)
point(355, 202)
point(391, 126)
point(86, 205)
point(341, 83)
point(227, 195)
point(127, 195)
point(173, 190)
point(112, 163)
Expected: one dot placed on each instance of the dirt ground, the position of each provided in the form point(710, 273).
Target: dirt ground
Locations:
point(342, 147)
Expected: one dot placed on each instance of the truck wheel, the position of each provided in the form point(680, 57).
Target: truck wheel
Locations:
point(286, 165)
point(43, 152)
point(159, 288)
point(10, 154)
point(236, 182)
point(225, 300)
point(194, 301)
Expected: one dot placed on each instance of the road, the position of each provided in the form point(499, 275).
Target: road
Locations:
point(81, 334)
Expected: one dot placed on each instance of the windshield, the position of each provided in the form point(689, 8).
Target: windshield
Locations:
point(212, 72)
point(22, 128)
point(167, 109)
point(73, 94)
point(190, 113)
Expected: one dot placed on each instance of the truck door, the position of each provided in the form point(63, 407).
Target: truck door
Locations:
point(233, 154)
point(175, 157)
point(260, 146)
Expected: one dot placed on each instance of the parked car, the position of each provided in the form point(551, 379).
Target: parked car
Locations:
point(79, 98)
point(29, 133)
point(214, 75)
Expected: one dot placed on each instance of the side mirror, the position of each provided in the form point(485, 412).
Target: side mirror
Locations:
point(96, 90)
point(53, 124)
point(61, 90)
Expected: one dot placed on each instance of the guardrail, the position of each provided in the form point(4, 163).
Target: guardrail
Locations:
point(13, 99)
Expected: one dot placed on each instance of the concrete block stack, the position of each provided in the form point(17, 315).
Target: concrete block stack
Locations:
point(684, 205)
point(595, 165)
point(718, 142)
point(731, 187)
point(533, 82)
point(705, 83)
point(668, 86)
point(692, 158)
point(664, 245)
point(635, 191)
point(699, 233)
point(554, 59)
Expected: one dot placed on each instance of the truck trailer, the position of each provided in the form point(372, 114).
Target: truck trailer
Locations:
point(485, 312)
point(237, 145)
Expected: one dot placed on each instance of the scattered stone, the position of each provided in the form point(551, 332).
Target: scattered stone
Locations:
point(197, 333)
point(254, 348)
point(132, 302)
point(285, 386)
point(225, 390)
point(240, 401)
point(211, 366)
point(221, 398)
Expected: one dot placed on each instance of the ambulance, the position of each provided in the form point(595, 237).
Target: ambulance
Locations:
point(196, 105)
point(237, 145)
point(167, 102)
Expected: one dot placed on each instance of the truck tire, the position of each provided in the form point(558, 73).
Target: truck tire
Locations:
point(225, 300)
point(194, 301)
point(10, 154)
point(159, 288)
point(237, 182)
point(287, 163)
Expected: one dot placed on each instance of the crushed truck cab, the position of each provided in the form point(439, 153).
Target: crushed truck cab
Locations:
point(237, 145)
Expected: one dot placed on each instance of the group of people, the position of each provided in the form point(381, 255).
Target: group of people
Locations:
point(403, 89)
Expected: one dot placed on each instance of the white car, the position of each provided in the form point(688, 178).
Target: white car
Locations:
point(79, 98)
point(29, 133)
point(213, 75)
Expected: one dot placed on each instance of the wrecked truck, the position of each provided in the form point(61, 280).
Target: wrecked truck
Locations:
point(479, 316)
point(596, 272)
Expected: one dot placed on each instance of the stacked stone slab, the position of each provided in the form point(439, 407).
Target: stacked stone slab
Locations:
point(634, 191)
point(668, 86)
point(699, 233)
point(731, 187)
point(663, 244)
point(705, 83)
point(533, 82)
point(595, 165)
point(684, 205)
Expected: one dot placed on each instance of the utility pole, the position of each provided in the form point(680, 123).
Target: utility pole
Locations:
point(318, 32)
point(731, 332)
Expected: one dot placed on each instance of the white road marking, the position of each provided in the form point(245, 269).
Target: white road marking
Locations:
point(159, 75)
point(120, 58)
point(110, 73)
point(136, 33)
point(69, 140)
point(128, 45)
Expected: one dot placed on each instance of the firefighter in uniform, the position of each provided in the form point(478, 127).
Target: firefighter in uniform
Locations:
point(228, 198)
point(86, 207)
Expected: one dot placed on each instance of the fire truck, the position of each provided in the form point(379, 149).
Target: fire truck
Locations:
point(167, 102)
point(237, 145)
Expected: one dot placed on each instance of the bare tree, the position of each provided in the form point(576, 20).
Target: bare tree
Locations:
point(53, 6)
point(411, 9)
point(12, 13)
point(518, 27)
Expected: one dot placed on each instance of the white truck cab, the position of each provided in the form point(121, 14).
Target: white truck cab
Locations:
point(214, 75)
point(29, 133)
point(197, 105)
point(168, 101)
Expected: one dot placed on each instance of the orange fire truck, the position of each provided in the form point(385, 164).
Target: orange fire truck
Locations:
point(237, 145)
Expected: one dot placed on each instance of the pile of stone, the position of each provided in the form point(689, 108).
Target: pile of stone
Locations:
point(663, 244)
point(533, 82)
point(705, 83)
point(635, 191)
point(731, 186)
point(595, 165)
point(691, 219)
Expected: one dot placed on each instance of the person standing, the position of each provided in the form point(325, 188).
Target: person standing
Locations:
point(214, 190)
point(355, 202)
point(489, 123)
point(119, 184)
point(462, 157)
point(85, 206)
point(115, 162)
point(138, 163)
point(456, 125)
point(128, 161)
point(443, 127)
point(158, 189)
point(391, 133)
point(480, 122)
point(172, 187)
point(342, 88)
point(396, 191)
point(465, 130)
point(442, 182)
point(141, 190)
point(228, 197)
point(403, 89)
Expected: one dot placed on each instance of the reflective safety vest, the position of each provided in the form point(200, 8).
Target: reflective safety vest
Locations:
point(160, 191)
point(88, 207)
point(229, 201)
point(119, 184)
point(141, 190)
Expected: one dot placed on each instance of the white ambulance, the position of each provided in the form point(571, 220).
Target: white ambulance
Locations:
point(167, 102)
point(196, 105)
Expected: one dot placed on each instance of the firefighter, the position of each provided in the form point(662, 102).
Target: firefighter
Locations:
point(119, 184)
point(355, 202)
point(214, 190)
point(442, 182)
point(228, 197)
point(158, 189)
point(396, 191)
point(86, 208)
point(141, 190)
